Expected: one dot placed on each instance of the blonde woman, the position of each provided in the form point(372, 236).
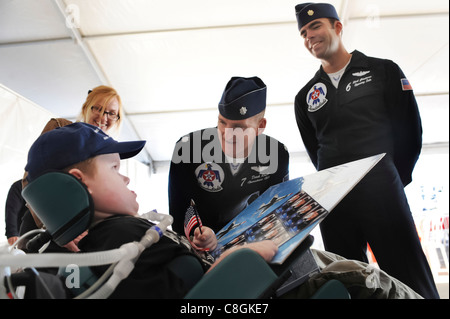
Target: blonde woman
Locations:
point(103, 108)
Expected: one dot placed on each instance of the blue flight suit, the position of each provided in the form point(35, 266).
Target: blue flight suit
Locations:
point(372, 111)
point(199, 171)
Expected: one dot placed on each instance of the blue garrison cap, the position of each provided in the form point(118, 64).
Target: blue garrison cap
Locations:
point(71, 144)
point(243, 98)
point(309, 11)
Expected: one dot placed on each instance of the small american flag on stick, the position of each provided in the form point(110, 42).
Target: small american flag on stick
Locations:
point(191, 220)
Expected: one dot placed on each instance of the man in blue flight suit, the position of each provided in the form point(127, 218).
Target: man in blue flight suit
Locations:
point(222, 169)
point(357, 106)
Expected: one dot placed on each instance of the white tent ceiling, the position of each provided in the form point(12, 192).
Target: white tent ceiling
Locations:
point(171, 59)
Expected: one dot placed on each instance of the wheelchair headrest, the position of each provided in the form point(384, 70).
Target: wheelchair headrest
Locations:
point(62, 203)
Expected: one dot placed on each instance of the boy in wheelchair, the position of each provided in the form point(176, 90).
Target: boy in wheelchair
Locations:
point(170, 267)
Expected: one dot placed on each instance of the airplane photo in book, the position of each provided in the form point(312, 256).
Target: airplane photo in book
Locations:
point(281, 218)
point(262, 209)
point(286, 213)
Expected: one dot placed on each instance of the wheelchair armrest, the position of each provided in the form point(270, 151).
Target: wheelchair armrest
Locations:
point(332, 289)
point(244, 274)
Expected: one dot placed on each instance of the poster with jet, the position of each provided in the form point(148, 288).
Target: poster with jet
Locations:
point(287, 212)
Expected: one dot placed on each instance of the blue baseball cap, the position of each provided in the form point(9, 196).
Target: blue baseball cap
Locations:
point(309, 11)
point(71, 144)
point(243, 98)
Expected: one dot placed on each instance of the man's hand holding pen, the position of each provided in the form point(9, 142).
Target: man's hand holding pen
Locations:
point(205, 238)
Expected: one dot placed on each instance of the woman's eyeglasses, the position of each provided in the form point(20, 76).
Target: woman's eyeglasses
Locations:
point(111, 115)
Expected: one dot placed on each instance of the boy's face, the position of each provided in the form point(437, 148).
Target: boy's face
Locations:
point(109, 189)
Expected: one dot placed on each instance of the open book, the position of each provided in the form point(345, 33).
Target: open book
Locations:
point(287, 212)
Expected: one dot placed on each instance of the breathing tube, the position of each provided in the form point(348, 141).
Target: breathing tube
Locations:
point(122, 258)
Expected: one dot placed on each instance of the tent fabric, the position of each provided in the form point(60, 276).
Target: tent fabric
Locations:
point(170, 61)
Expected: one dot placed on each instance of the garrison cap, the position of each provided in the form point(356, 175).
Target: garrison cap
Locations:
point(309, 11)
point(243, 98)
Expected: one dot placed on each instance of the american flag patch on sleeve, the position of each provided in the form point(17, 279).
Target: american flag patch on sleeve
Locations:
point(406, 86)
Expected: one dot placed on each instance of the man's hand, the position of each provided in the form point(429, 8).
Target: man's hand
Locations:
point(266, 248)
point(206, 240)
